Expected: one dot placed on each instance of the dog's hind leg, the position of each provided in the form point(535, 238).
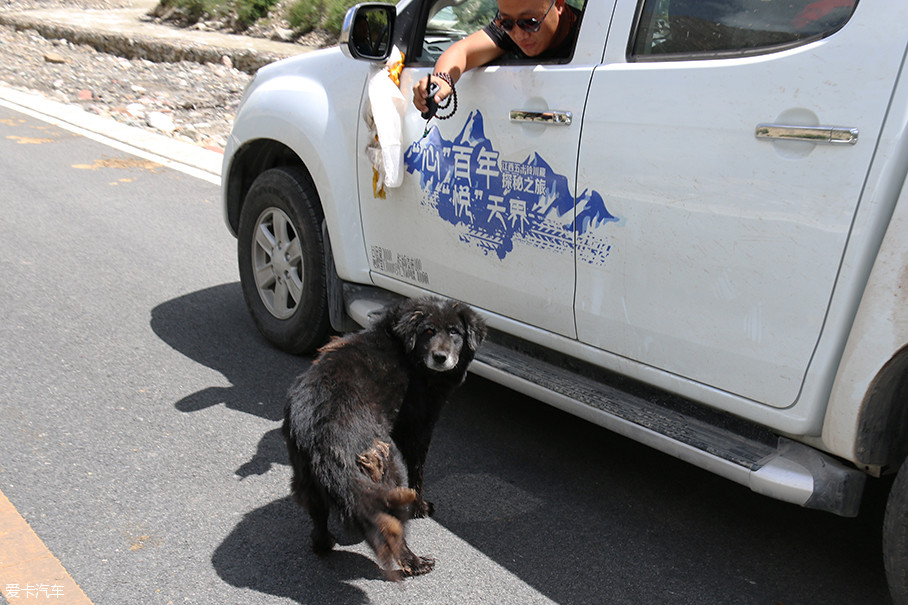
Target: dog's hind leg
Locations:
point(412, 564)
point(317, 505)
point(385, 534)
point(384, 531)
point(312, 497)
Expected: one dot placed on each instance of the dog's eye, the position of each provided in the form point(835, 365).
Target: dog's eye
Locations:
point(453, 331)
point(430, 332)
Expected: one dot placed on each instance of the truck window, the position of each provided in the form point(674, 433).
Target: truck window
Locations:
point(451, 20)
point(702, 29)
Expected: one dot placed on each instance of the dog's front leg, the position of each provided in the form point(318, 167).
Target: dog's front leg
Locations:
point(414, 452)
point(412, 433)
point(420, 507)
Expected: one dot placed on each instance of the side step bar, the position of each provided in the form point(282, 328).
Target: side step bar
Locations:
point(776, 467)
point(788, 471)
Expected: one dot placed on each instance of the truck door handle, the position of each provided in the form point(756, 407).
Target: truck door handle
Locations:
point(556, 118)
point(832, 135)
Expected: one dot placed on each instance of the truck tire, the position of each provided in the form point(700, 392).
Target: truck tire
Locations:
point(895, 538)
point(282, 260)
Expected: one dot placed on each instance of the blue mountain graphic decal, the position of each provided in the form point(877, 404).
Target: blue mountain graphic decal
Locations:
point(498, 202)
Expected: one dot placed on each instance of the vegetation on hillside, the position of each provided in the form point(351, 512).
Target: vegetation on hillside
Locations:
point(302, 15)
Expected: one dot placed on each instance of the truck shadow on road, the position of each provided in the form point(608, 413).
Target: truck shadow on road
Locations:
point(577, 513)
point(213, 328)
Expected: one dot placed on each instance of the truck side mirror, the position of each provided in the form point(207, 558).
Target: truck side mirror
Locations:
point(367, 30)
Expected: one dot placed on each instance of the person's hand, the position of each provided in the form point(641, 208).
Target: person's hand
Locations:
point(420, 92)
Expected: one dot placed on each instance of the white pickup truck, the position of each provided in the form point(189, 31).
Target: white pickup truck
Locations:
point(694, 231)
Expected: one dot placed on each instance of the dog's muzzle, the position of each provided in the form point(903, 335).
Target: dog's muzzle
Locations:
point(440, 361)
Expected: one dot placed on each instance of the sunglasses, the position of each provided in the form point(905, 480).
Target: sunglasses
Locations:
point(529, 25)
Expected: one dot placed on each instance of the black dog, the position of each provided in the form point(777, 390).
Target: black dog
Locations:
point(358, 423)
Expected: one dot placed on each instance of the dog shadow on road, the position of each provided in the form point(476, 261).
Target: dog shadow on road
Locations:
point(261, 554)
point(268, 550)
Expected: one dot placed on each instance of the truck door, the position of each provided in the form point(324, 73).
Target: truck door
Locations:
point(485, 213)
point(733, 139)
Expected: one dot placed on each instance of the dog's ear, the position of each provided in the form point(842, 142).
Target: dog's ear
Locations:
point(406, 328)
point(473, 325)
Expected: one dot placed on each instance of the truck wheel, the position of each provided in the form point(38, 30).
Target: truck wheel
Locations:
point(895, 538)
point(282, 260)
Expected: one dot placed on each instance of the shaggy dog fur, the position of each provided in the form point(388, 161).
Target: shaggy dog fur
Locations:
point(358, 423)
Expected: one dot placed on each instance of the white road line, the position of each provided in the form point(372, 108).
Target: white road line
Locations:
point(181, 156)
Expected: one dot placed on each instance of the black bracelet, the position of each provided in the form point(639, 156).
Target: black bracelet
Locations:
point(447, 78)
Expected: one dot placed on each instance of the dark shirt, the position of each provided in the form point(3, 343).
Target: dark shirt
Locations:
point(512, 51)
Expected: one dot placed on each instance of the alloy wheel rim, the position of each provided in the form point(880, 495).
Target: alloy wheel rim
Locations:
point(277, 263)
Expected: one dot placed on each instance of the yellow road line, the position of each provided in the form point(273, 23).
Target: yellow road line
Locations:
point(28, 570)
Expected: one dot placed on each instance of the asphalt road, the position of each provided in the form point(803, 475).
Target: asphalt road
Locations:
point(139, 437)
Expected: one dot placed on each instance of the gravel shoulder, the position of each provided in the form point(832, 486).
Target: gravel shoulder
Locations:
point(187, 100)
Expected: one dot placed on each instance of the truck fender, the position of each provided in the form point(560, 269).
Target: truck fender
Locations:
point(296, 112)
point(867, 417)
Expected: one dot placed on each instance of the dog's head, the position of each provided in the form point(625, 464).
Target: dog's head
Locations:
point(440, 334)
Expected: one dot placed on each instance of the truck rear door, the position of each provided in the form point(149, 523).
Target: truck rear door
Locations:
point(733, 139)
